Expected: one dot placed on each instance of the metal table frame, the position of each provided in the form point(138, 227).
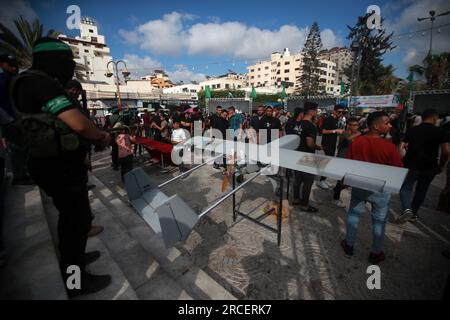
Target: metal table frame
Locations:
point(257, 220)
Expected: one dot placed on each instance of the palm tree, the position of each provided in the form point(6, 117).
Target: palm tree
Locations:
point(388, 83)
point(21, 47)
point(435, 69)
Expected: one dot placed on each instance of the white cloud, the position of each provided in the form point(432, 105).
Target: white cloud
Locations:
point(411, 57)
point(141, 66)
point(181, 73)
point(330, 39)
point(10, 10)
point(170, 35)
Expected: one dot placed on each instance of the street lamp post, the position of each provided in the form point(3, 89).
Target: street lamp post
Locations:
point(356, 48)
point(432, 17)
point(115, 73)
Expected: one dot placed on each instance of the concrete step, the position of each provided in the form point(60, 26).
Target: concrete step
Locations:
point(32, 270)
point(177, 265)
point(120, 288)
point(143, 272)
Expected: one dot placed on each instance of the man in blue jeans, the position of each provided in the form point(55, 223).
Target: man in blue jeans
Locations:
point(371, 147)
point(422, 143)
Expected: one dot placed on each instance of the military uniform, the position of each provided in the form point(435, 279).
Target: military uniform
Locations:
point(62, 177)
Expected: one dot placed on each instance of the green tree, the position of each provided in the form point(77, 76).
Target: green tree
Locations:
point(435, 69)
point(372, 44)
point(310, 72)
point(21, 47)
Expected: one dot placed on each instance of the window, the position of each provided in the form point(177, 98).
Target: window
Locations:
point(278, 72)
point(266, 68)
point(252, 70)
point(286, 70)
point(239, 86)
point(259, 69)
point(93, 39)
point(91, 31)
point(286, 63)
point(227, 86)
point(87, 51)
point(259, 76)
point(286, 79)
point(252, 77)
point(297, 69)
point(218, 86)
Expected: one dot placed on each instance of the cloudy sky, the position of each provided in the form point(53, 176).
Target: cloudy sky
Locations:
point(191, 39)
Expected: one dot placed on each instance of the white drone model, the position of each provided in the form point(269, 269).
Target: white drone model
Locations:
point(173, 219)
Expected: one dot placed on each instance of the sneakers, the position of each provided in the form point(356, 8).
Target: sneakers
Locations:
point(323, 185)
point(347, 249)
point(414, 218)
point(339, 203)
point(95, 230)
point(90, 284)
point(406, 215)
point(376, 258)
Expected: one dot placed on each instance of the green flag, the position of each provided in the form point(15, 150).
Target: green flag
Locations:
point(410, 79)
point(230, 95)
point(283, 93)
point(253, 95)
point(207, 92)
point(342, 88)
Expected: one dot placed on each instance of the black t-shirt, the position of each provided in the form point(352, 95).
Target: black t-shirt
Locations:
point(269, 123)
point(423, 147)
point(306, 129)
point(446, 128)
point(329, 140)
point(37, 94)
point(221, 124)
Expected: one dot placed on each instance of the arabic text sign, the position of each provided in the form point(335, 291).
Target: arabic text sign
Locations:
point(386, 101)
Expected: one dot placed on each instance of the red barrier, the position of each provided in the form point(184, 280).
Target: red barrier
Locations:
point(156, 149)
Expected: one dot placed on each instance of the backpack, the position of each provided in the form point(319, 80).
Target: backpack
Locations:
point(43, 134)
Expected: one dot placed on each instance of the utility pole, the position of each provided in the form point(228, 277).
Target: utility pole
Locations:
point(432, 17)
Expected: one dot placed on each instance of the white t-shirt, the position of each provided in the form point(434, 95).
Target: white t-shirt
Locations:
point(178, 135)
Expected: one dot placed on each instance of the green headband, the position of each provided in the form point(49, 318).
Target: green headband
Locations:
point(51, 46)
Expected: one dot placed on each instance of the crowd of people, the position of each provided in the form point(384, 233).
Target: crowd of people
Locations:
point(57, 135)
point(378, 137)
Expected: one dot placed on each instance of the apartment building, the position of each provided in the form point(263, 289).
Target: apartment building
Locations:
point(159, 79)
point(228, 81)
point(90, 50)
point(342, 57)
point(283, 69)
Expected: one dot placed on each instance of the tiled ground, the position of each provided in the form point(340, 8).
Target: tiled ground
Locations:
point(309, 263)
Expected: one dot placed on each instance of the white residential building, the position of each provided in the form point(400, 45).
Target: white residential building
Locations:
point(342, 57)
point(90, 50)
point(327, 77)
point(229, 81)
point(188, 88)
point(284, 69)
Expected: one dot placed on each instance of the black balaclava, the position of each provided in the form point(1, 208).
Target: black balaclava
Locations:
point(56, 60)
